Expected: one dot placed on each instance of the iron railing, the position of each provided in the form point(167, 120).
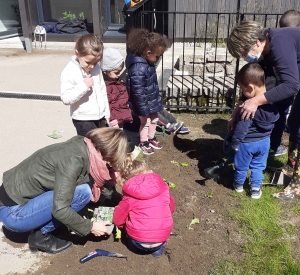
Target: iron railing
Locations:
point(196, 72)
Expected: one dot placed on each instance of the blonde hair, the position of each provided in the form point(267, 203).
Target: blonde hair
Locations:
point(112, 144)
point(244, 36)
point(133, 168)
point(89, 44)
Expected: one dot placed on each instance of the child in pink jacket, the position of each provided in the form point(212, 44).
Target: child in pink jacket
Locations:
point(145, 211)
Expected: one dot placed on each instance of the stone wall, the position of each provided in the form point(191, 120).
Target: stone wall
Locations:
point(213, 62)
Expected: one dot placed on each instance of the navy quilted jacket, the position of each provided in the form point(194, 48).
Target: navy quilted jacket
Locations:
point(142, 86)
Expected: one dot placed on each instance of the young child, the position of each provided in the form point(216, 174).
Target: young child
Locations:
point(112, 64)
point(83, 87)
point(290, 18)
point(146, 209)
point(144, 49)
point(251, 138)
point(165, 119)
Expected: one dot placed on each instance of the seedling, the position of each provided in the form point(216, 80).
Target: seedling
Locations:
point(209, 195)
point(194, 221)
point(55, 134)
point(175, 162)
point(81, 15)
point(69, 15)
point(170, 184)
point(184, 164)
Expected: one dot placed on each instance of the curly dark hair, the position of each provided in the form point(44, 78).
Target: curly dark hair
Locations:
point(141, 40)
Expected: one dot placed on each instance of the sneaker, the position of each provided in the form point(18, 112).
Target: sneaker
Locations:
point(238, 188)
point(184, 130)
point(158, 253)
point(255, 193)
point(281, 150)
point(154, 143)
point(175, 127)
point(145, 148)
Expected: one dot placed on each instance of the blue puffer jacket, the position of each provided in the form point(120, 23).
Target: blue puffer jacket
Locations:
point(142, 86)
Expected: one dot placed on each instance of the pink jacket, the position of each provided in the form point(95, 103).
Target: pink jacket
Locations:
point(146, 209)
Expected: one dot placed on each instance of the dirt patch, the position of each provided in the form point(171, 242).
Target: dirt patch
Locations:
point(189, 251)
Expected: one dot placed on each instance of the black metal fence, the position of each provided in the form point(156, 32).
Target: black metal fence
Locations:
point(196, 72)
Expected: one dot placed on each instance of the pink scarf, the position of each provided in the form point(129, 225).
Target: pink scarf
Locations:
point(98, 171)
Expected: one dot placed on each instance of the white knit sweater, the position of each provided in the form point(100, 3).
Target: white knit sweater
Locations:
point(85, 103)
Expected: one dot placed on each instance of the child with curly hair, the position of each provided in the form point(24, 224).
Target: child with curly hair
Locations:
point(144, 49)
point(146, 209)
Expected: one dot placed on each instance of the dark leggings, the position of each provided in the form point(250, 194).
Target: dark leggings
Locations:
point(84, 126)
point(164, 117)
point(276, 136)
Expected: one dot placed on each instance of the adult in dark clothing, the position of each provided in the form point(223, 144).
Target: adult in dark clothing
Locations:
point(251, 138)
point(280, 48)
point(282, 106)
point(49, 187)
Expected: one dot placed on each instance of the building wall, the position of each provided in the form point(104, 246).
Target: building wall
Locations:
point(9, 19)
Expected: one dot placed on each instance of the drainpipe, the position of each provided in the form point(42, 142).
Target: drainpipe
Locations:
point(26, 24)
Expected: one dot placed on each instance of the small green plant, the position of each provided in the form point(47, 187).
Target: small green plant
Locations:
point(184, 164)
point(209, 195)
point(71, 16)
point(194, 221)
point(170, 184)
point(55, 134)
point(81, 15)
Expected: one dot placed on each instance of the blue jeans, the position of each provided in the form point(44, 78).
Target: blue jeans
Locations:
point(38, 211)
point(135, 246)
point(253, 156)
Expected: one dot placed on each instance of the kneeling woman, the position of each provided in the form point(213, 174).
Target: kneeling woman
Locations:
point(48, 188)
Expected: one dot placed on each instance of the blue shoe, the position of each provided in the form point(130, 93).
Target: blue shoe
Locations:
point(175, 127)
point(255, 193)
point(158, 253)
point(238, 188)
point(281, 150)
point(184, 130)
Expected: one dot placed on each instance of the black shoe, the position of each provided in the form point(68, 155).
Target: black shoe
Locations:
point(47, 243)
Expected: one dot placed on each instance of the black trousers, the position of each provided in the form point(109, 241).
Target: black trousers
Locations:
point(84, 126)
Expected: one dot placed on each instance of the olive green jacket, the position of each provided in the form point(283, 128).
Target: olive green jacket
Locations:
point(59, 167)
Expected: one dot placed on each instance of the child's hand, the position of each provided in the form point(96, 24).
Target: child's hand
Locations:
point(89, 82)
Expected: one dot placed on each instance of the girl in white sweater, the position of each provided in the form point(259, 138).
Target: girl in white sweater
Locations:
point(83, 87)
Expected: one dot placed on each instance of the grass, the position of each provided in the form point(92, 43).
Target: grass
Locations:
point(267, 247)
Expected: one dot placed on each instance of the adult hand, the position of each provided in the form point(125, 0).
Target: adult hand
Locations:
point(234, 116)
point(89, 82)
point(100, 229)
point(248, 108)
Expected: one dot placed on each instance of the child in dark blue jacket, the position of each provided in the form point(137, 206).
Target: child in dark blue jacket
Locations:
point(251, 138)
point(144, 50)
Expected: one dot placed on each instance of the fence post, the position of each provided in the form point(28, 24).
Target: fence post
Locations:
point(26, 24)
point(238, 7)
point(96, 18)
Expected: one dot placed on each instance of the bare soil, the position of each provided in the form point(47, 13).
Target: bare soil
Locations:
point(189, 251)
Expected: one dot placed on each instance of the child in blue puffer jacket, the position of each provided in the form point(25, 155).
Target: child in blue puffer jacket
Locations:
point(144, 49)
